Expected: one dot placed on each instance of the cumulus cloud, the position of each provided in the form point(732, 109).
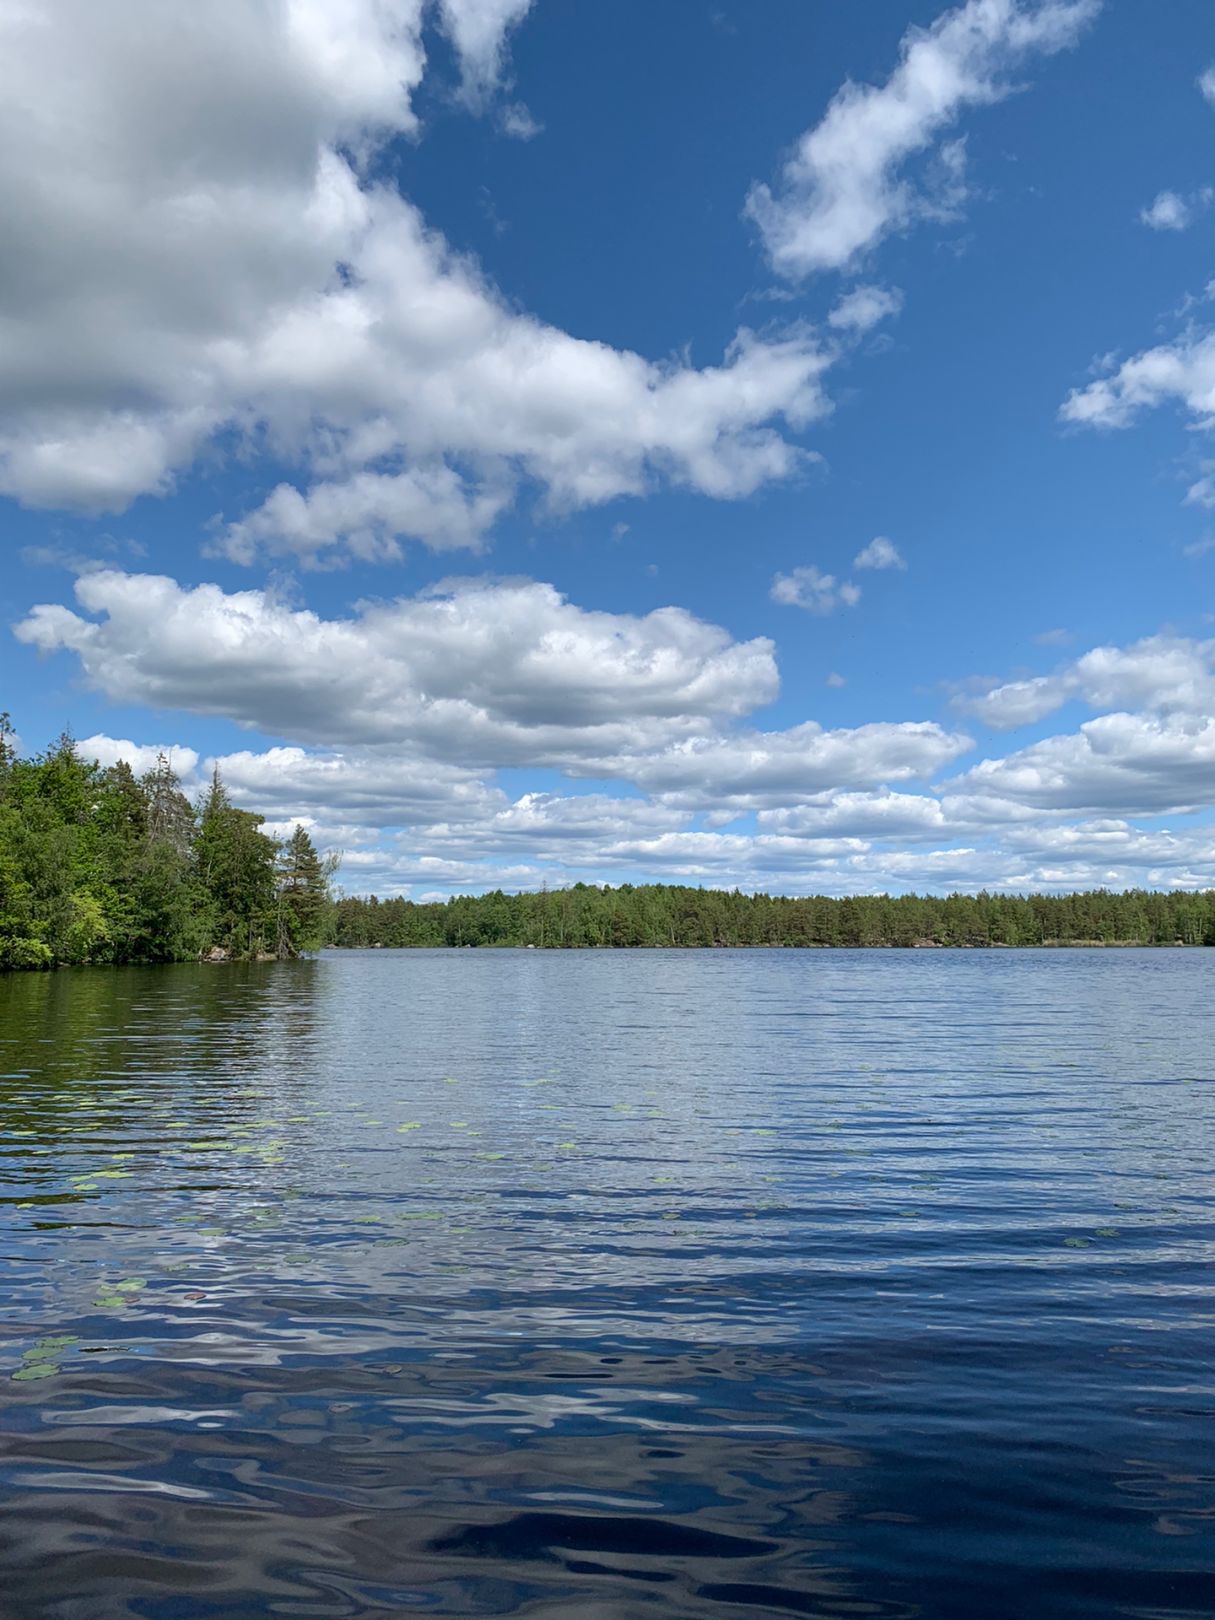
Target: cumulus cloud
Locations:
point(1182, 372)
point(813, 590)
point(550, 827)
point(364, 516)
point(845, 187)
point(409, 706)
point(198, 250)
point(477, 672)
point(407, 823)
point(1118, 764)
point(879, 553)
point(872, 814)
point(1088, 854)
point(141, 757)
point(750, 770)
point(357, 789)
point(1161, 674)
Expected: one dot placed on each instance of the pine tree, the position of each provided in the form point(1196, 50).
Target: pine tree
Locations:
point(302, 884)
point(235, 864)
point(170, 820)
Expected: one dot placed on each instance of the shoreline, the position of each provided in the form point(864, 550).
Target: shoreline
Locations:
point(266, 960)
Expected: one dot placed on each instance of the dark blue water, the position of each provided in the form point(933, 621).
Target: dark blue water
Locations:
point(611, 1285)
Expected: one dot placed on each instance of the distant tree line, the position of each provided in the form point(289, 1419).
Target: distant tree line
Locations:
point(673, 915)
point(99, 865)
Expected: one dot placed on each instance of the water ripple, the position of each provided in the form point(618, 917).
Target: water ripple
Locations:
point(610, 1285)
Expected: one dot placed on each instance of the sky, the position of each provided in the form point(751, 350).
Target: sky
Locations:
point(758, 443)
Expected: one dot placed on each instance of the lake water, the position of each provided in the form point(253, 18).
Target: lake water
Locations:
point(611, 1285)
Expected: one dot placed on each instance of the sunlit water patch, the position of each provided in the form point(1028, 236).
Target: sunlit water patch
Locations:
point(610, 1285)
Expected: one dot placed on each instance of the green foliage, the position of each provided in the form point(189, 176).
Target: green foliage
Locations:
point(672, 915)
point(97, 866)
point(235, 862)
point(302, 888)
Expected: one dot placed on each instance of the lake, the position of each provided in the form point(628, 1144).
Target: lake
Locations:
point(611, 1285)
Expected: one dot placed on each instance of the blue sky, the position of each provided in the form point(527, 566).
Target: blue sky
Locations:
point(729, 443)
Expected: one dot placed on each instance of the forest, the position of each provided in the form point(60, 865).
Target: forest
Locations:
point(675, 915)
point(98, 865)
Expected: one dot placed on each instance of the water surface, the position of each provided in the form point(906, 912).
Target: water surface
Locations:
point(610, 1285)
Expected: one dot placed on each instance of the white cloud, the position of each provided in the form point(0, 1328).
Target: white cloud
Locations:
point(550, 827)
point(1168, 211)
point(141, 757)
point(1206, 83)
point(1160, 674)
point(813, 590)
point(359, 789)
point(410, 705)
point(1183, 372)
point(754, 769)
point(1117, 842)
point(866, 814)
point(364, 515)
point(1002, 824)
point(844, 188)
point(863, 308)
point(879, 553)
point(197, 251)
point(517, 121)
point(476, 672)
point(1163, 674)
point(1089, 854)
point(478, 30)
point(1117, 764)
point(836, 680)
point(1019, 703)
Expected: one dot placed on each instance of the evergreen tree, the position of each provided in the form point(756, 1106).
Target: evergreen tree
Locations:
point(96, 866)
point(302, 887)
point(235, 863)
point(170, 819)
